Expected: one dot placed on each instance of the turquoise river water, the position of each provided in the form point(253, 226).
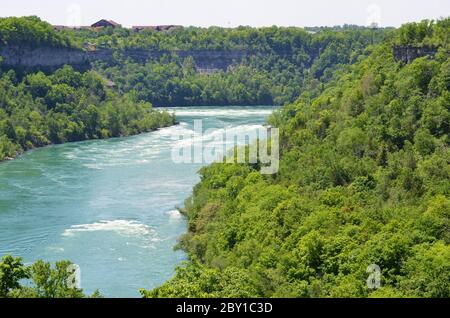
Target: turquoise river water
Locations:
point(109, 205)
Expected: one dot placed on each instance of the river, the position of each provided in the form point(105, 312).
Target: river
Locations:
point(109, 205)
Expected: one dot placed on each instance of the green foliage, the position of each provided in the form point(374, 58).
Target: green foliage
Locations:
point(12, 271)
point(280, 61)
point(43, 281)
point(68, 106)
point(267, 39)
point(54, 283)
point(415, 33)
point(202, 282)
point(30, 31)
point(364, 179)
point(278, 64)
point(425, 274)
point(38, 109)
point(364, 172)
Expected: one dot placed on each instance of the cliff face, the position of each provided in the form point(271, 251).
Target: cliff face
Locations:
point(206, 61)
point(407, 54)
point(42, 58)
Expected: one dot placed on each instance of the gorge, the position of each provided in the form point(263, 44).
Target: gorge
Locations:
point(363, 178)
point(109, 206)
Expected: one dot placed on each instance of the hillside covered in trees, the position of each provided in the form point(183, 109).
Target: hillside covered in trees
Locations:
point(276, 62)
point(38, 109)
point(114, 98)
point(31, 32)
point(364, 174)
point(68, 106)
point(364, 179)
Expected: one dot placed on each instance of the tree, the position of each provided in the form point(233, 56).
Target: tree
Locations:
point(54, 283)
point(12, 271)
point(39, 84)
point(363, 181)
point(426, 273)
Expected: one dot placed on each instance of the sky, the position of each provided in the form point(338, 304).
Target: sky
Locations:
point(230, 13)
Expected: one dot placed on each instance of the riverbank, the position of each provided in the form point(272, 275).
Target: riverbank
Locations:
point(109, 205)
point(19, 153)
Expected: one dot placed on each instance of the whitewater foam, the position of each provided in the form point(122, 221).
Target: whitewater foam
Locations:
point(218, 136)
point(121, 227)
point(223, 112)
point(175, 215)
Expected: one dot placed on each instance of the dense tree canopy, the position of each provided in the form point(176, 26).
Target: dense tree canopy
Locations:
point(364, 172)
point(364, 179)
point(281, 60)
point(67, 106)
point(30, 31)
point(44, 281)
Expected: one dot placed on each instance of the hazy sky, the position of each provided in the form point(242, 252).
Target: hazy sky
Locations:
point(230, 13)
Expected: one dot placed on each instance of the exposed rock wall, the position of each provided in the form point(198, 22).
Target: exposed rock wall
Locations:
point(44, 58)
point(206, 61)
point(407, 54)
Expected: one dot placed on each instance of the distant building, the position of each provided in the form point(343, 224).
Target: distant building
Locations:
point(106, 24)
point(112, 24)
point(167, 27)
point(140, 28)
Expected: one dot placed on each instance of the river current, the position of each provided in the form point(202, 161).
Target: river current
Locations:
point(109, 205)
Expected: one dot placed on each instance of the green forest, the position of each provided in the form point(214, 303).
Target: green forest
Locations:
point(113, 99)
point(274, 73)
point(364, 172)
point(68, 106)
point(31, 32)
point(44, 281)
point(364, 179)
point(38, 109)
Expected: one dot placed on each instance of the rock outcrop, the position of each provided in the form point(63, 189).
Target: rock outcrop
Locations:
point(409, 53)
point(206, 61)
point(43, 58)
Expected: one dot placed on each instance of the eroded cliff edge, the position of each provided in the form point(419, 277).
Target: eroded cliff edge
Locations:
point(206, 61)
